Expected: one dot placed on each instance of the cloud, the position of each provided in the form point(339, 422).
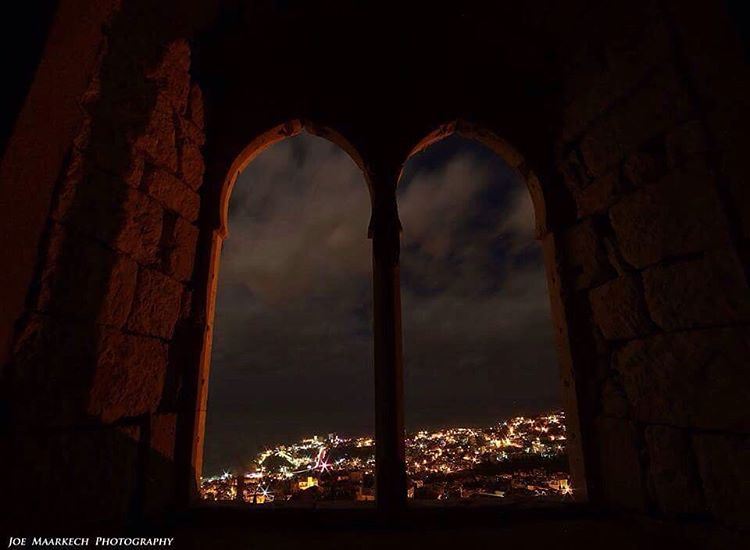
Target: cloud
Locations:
point(292, 351)
point(298, 222)
point(478, 337)
point(292, 346)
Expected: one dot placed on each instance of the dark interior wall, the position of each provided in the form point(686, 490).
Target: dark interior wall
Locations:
point(660, 248)
point(631, 115)
point(23, 31)
point(91, 389)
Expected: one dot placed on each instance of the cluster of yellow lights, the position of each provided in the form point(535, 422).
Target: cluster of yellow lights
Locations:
point(443, 451)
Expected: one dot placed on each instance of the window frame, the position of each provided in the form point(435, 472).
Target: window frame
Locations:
point(384, 231)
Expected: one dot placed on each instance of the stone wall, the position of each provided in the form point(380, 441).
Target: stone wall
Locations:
point(656, 264)
point(631, 114)
point(96, 372)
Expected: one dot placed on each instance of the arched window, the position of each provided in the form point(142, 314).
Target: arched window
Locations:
point(306, 353)
point(290, 404)
point(483, 413)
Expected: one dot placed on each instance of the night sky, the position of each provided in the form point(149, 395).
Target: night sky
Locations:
point(292, 351)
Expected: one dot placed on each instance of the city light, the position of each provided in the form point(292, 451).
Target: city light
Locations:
point(522, 457)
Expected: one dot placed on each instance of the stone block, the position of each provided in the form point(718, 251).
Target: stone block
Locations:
point(680, 215)
point(180, 250)
point(620, 463)
point(195, 106)
point(172, 193)
point(708, 291)
point(686, 141)
point(188, 131)
point(172, 74)
point(112, 211)
point(156, 305)
point(695, 379)
point(599, 195)
point(72, 477)
point(192, 167)
point(111, 151)
point(163, 434)
point(53, 364)
point(158, 141)
point(129, 376)
point(724, 461)
point(573, 172)
point(186, 304)
point(613, 400)
point(673, 475)
point(118, 298)
point(585, 261)
point(601, 147)
point(661, 102)
point(140, 231)
point(160, 474)
point(73, 374)
point(658, 105)
point(83, 279)
point(645, 166)
point(619, 309)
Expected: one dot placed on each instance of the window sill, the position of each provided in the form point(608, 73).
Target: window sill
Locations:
point(345, 515)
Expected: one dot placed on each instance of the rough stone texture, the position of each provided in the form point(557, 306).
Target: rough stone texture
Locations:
point(53, 364)
point(84, 279)
point(619, 309)
point(181, 249)
point(619, 459)
point(690, 379)
point(616, 61)
point(163, 433)
point(188, 131)
point(585, 259)
point(73, 367)
point(141, 227)
point(624, 108)
point(195, 106)
point(672, 473)
point(648, 232)
point(160, 471)
point(598, 195)
point(647, 165)
point(73, 467)
point(112, 211)
point(186, 304)
point(613, 399)
point(129, 377)
point(172, 75)
point(724, 461)
point(89, 197)
point(37, 134)
point(156, 304)
point(686, 141)
point(159, 141)
point(172, 193)
point(590, 349)
point(711, 290)
point(657, 105)
point(573, 172)
point(191, 165)
point(72, 373)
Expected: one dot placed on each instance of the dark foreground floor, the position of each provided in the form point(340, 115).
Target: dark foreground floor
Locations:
point(222, 529)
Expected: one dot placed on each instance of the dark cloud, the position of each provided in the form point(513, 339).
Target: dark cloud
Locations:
point(478, 341)
point(292, 351)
